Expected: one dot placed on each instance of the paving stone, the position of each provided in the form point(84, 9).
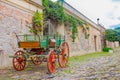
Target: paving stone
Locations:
point(15, 77)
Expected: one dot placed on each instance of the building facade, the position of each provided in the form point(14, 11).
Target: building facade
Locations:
point(81, 44)
point(15, 15)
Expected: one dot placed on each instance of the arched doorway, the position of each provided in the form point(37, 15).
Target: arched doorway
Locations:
point(49, 28)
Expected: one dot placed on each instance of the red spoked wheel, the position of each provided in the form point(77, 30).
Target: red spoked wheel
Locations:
point(19, 61)
point(51, 62)
point(64, 55)
point(37, 60)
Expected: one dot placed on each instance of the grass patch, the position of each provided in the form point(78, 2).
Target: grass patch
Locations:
point(87, 57)
point(67, 71)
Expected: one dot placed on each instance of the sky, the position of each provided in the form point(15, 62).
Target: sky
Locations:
point(108, 11)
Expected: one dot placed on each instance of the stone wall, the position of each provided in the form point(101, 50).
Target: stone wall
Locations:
point(13, 20)
point(96, 32)
point(112, 44)
point(82, 45)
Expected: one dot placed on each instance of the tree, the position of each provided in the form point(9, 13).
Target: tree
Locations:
point(112, 35)
point(118, 33)
point(117, 28)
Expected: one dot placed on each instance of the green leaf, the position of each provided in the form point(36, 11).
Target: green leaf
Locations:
point(56, 11)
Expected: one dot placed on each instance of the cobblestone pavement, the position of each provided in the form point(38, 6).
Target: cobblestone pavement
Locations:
point(100, 68)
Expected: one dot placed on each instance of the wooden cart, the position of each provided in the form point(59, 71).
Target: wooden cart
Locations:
point(40, 49)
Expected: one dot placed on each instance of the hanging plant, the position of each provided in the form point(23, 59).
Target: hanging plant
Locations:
point(55, 11)
point(86, 31)
point(86, 35)
point(37, 23)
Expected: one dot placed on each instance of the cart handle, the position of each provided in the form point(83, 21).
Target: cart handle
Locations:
point(17, 37)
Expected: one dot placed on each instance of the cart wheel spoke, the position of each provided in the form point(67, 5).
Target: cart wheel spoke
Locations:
point(19, 61)
point(51, 62)
point(37, 60)
point(17, 65)
point(21, 66)
point(64, 55)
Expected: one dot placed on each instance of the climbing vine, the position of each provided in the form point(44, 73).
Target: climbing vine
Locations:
point(86, 31)
point(37, 23)
point(54, 11)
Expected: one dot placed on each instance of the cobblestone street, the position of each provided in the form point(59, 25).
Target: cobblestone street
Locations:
point(100, 68)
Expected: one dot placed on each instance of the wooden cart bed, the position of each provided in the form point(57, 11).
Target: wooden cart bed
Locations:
point(31, 41)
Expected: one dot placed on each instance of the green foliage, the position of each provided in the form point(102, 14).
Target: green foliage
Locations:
point(45, 3)
point(86, 35)
point(54, 11)
point(37, 19)
point(118, 33)
point(112, 35)
point(106, 49)
point(86, 31)
point(37, 23)
point(117, 28)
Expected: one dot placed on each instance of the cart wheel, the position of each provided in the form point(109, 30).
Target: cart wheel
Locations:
point(51, 62)
point(64, 55)
point(37, 60)
point(19, 61)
